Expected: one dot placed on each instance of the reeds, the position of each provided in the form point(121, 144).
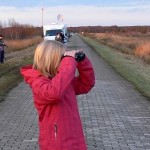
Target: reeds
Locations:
point(135, 45)
point(143, 51)
point(16, 45)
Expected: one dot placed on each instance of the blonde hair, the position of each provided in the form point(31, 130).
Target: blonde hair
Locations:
point(47, 57)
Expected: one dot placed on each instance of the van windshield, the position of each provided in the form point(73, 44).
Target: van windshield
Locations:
point(52, 32)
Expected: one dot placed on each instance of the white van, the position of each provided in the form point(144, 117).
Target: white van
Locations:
point(50, 31)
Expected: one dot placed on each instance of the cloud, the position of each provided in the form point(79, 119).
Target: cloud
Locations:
point(80, 15)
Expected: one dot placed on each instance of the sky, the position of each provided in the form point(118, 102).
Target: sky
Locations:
point(76, 12)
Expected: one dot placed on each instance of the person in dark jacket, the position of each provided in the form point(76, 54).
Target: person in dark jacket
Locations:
point(55, 86)
point(63, 37)
point(2, 45)
point(60, 37)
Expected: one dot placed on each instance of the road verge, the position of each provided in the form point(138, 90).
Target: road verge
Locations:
point(132, 69)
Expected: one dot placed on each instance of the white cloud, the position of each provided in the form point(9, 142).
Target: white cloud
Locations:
point(80, 15)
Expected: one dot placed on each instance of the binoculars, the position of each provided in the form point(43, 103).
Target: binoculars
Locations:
point(79, 56)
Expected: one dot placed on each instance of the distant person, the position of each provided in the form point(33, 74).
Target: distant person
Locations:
point(60, 37)
point(2, 45)
point(55, 86)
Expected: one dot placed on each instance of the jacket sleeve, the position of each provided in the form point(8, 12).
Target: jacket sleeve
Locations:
point(84, 82)
point(51, 91)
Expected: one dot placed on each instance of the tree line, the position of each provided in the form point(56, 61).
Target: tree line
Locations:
point(111, 29)
point(14, 30)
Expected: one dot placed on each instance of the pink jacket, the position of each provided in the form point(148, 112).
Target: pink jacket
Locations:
point(55, 100)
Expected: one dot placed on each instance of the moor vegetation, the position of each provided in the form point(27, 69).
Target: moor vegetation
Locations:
point(138, 46)
point(133, 40)
point(18, 36)
point(112, 29)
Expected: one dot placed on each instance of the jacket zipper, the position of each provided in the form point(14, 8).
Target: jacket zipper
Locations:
point(55, 131)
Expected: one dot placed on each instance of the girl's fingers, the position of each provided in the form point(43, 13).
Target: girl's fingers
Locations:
point(72, 52)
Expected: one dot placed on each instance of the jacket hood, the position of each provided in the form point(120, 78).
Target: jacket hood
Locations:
point(29, 73)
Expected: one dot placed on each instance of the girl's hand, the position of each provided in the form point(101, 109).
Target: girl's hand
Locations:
point(70, 53)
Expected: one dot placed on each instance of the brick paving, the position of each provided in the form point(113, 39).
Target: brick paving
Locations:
point(114, 115)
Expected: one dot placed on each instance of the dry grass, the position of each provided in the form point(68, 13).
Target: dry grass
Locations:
point(17, 45)
point(143, 51)
point(135, 45)
point(10, 69)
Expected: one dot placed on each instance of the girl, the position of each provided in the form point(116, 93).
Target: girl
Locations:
point(55, 86)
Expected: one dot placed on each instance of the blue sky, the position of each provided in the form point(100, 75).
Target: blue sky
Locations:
point(28, 3)
point(77, 12)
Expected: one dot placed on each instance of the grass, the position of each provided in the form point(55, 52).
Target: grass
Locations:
point(17, 45)
point(10, 75)
point(143, 51)
point(137, 45)
point(18, 53)
point(17, 57)
point(131, 68)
